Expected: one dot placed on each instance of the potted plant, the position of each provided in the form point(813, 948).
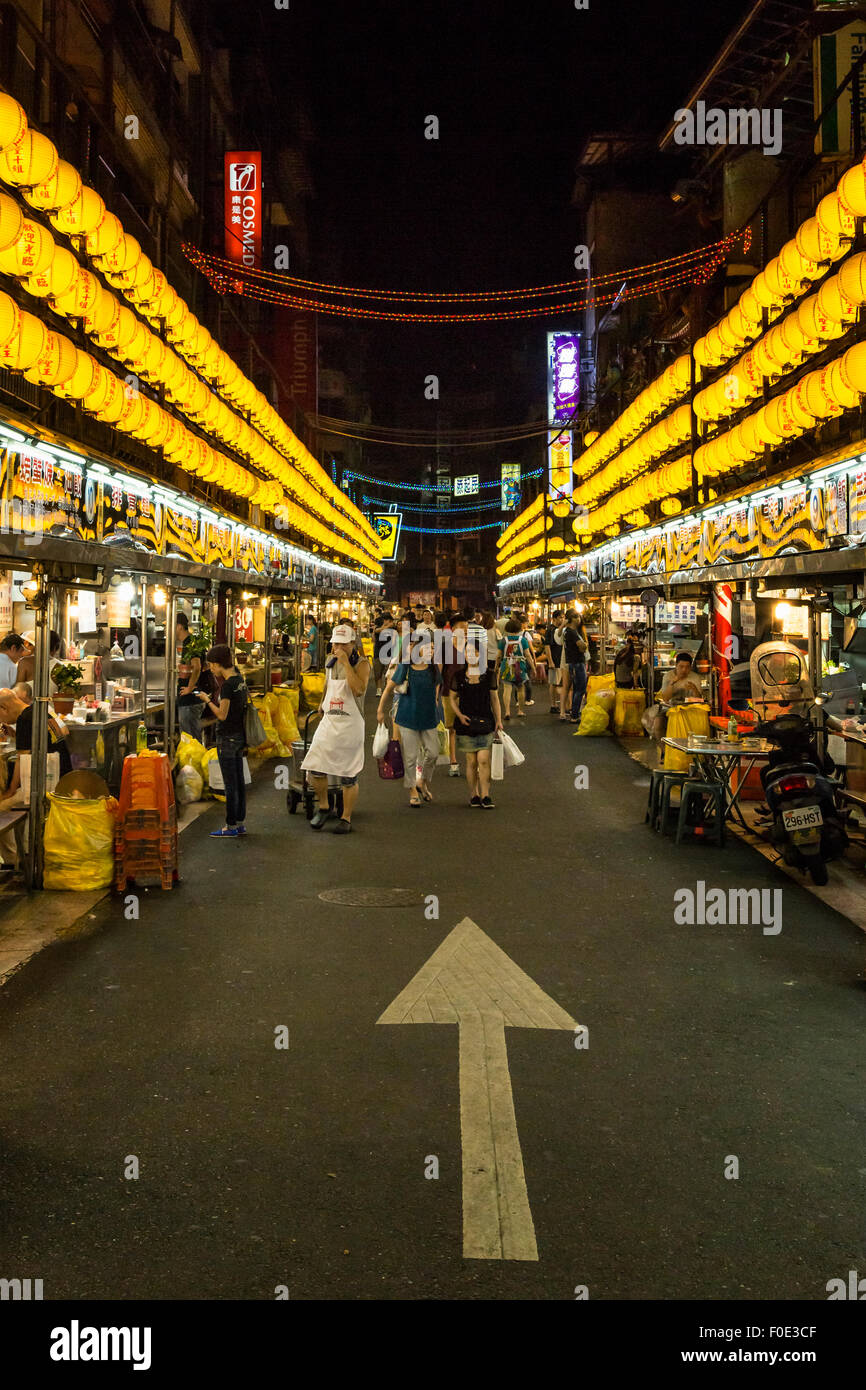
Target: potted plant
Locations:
point(67, 676)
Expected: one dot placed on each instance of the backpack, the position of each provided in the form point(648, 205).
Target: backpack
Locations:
point(513, 658)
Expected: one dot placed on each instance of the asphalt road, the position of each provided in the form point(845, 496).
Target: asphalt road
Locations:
point(305, 1166)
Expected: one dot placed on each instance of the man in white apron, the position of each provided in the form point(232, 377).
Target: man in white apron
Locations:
point(337, 749)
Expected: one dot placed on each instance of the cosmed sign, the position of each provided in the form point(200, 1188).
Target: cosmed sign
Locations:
point(243, 207)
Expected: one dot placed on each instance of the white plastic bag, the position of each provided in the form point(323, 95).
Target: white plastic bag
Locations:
point(215, 775)
point(497, 762)
point(512, 756)
point(189, 786)
point(380, 741)
point(52, 777)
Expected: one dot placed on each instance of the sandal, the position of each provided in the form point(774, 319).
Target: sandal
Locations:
point(426, 794)
point(415, 805)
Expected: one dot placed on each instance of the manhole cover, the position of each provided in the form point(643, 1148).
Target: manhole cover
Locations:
point(372, 897)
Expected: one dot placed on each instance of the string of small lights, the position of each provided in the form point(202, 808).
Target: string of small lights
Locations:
point(238, 281)
point(452, 530)
point(413, 507)
point(350, 476)
point(446, 296)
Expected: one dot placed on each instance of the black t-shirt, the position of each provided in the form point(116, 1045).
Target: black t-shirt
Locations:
point(24, 739)
point(474, 700)
point(234, 690)
point(573, 654)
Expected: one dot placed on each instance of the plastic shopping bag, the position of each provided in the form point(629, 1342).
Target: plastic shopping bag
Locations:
point(380, 741)
point(512, 755)
point(444, 742)
point(497, 762)
point(216, 776)
point(79, 843)
point(52, 777)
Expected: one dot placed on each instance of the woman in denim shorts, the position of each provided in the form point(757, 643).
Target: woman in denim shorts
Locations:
point(478, 719)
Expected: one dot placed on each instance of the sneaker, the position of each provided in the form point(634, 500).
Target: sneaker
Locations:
point(487, 803)
point(343, 827)
point(318, 819)
point(506, 719)
point(454, 770)
point(529, 702)
point(241, 829)
point(554, 709)
point(228, 831)
point(475, 801)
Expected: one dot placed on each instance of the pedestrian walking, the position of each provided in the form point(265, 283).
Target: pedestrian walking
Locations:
point(230, 715)
point(553, 653)
point(474, 698)
point(417, 716)
point(517, 661)
point(575, 645)
point(337, 748)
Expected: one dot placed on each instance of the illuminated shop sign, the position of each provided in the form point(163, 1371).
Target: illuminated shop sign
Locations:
point(563, 377)
point(466, 486)
point(243, 208)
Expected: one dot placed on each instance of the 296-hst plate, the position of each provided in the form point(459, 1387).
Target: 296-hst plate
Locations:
point(802, 818)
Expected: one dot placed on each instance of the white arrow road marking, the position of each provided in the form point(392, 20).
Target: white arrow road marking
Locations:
point(469, 981)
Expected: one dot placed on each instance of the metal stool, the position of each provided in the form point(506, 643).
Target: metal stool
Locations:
point(698, 793)
point(664, 780)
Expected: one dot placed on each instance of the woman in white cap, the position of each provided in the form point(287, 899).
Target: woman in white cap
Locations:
point(337, 749)
point(27, 665)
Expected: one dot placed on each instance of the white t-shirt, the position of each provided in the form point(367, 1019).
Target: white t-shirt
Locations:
point(8, 672)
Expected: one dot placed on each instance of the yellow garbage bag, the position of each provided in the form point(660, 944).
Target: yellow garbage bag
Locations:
point(593, 721)
point(604, 698)
point(285, 722)
point(79, 843)
point(629, 707)
point(684, 720)
point(293, 695)
point(594, 683)
point(190, 752)
point(268, 708)
point(313, 688)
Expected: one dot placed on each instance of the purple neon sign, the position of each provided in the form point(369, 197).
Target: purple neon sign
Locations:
point(563, 376)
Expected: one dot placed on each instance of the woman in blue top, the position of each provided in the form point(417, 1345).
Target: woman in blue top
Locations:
point(417, 716)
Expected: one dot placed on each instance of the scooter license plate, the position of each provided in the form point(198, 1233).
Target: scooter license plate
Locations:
point(802, 819)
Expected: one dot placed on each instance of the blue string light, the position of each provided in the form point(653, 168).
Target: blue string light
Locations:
point(453, 530)
point(413, 507)
point(428, 487)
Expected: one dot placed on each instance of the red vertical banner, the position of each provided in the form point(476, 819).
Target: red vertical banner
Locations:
point(723, 641)
point(243, 208)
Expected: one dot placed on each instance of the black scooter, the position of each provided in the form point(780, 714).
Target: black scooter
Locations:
point(807, 826)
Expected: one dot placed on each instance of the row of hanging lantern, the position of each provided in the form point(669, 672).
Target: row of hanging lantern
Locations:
point(28, 251)
point(629, 448)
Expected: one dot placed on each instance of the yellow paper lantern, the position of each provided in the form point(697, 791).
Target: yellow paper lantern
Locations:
point(82, 378)
point(838, 386)
point(123, 258)
point(851, 189)
point(11, 221)
point(25, 344)
point(57, 278)
point(104, 314)
point(834, 218)
point(32, 159)
point(833, 303)
point(114, 403)
point(55, 364)
point(58, 191)
point(13, 121)
point(80, 300)
point(133, 411)
point(814, 397)
point(854, 367)
point(10, 318)
point(32, 253)
point(82, 215)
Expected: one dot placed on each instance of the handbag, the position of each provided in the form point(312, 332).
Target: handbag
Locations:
point(511, 754)
point(497, 762)
point(254, 729)
point(380, 741)
point(391, 767)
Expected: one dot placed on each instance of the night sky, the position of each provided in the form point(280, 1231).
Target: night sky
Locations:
point(516, 87)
